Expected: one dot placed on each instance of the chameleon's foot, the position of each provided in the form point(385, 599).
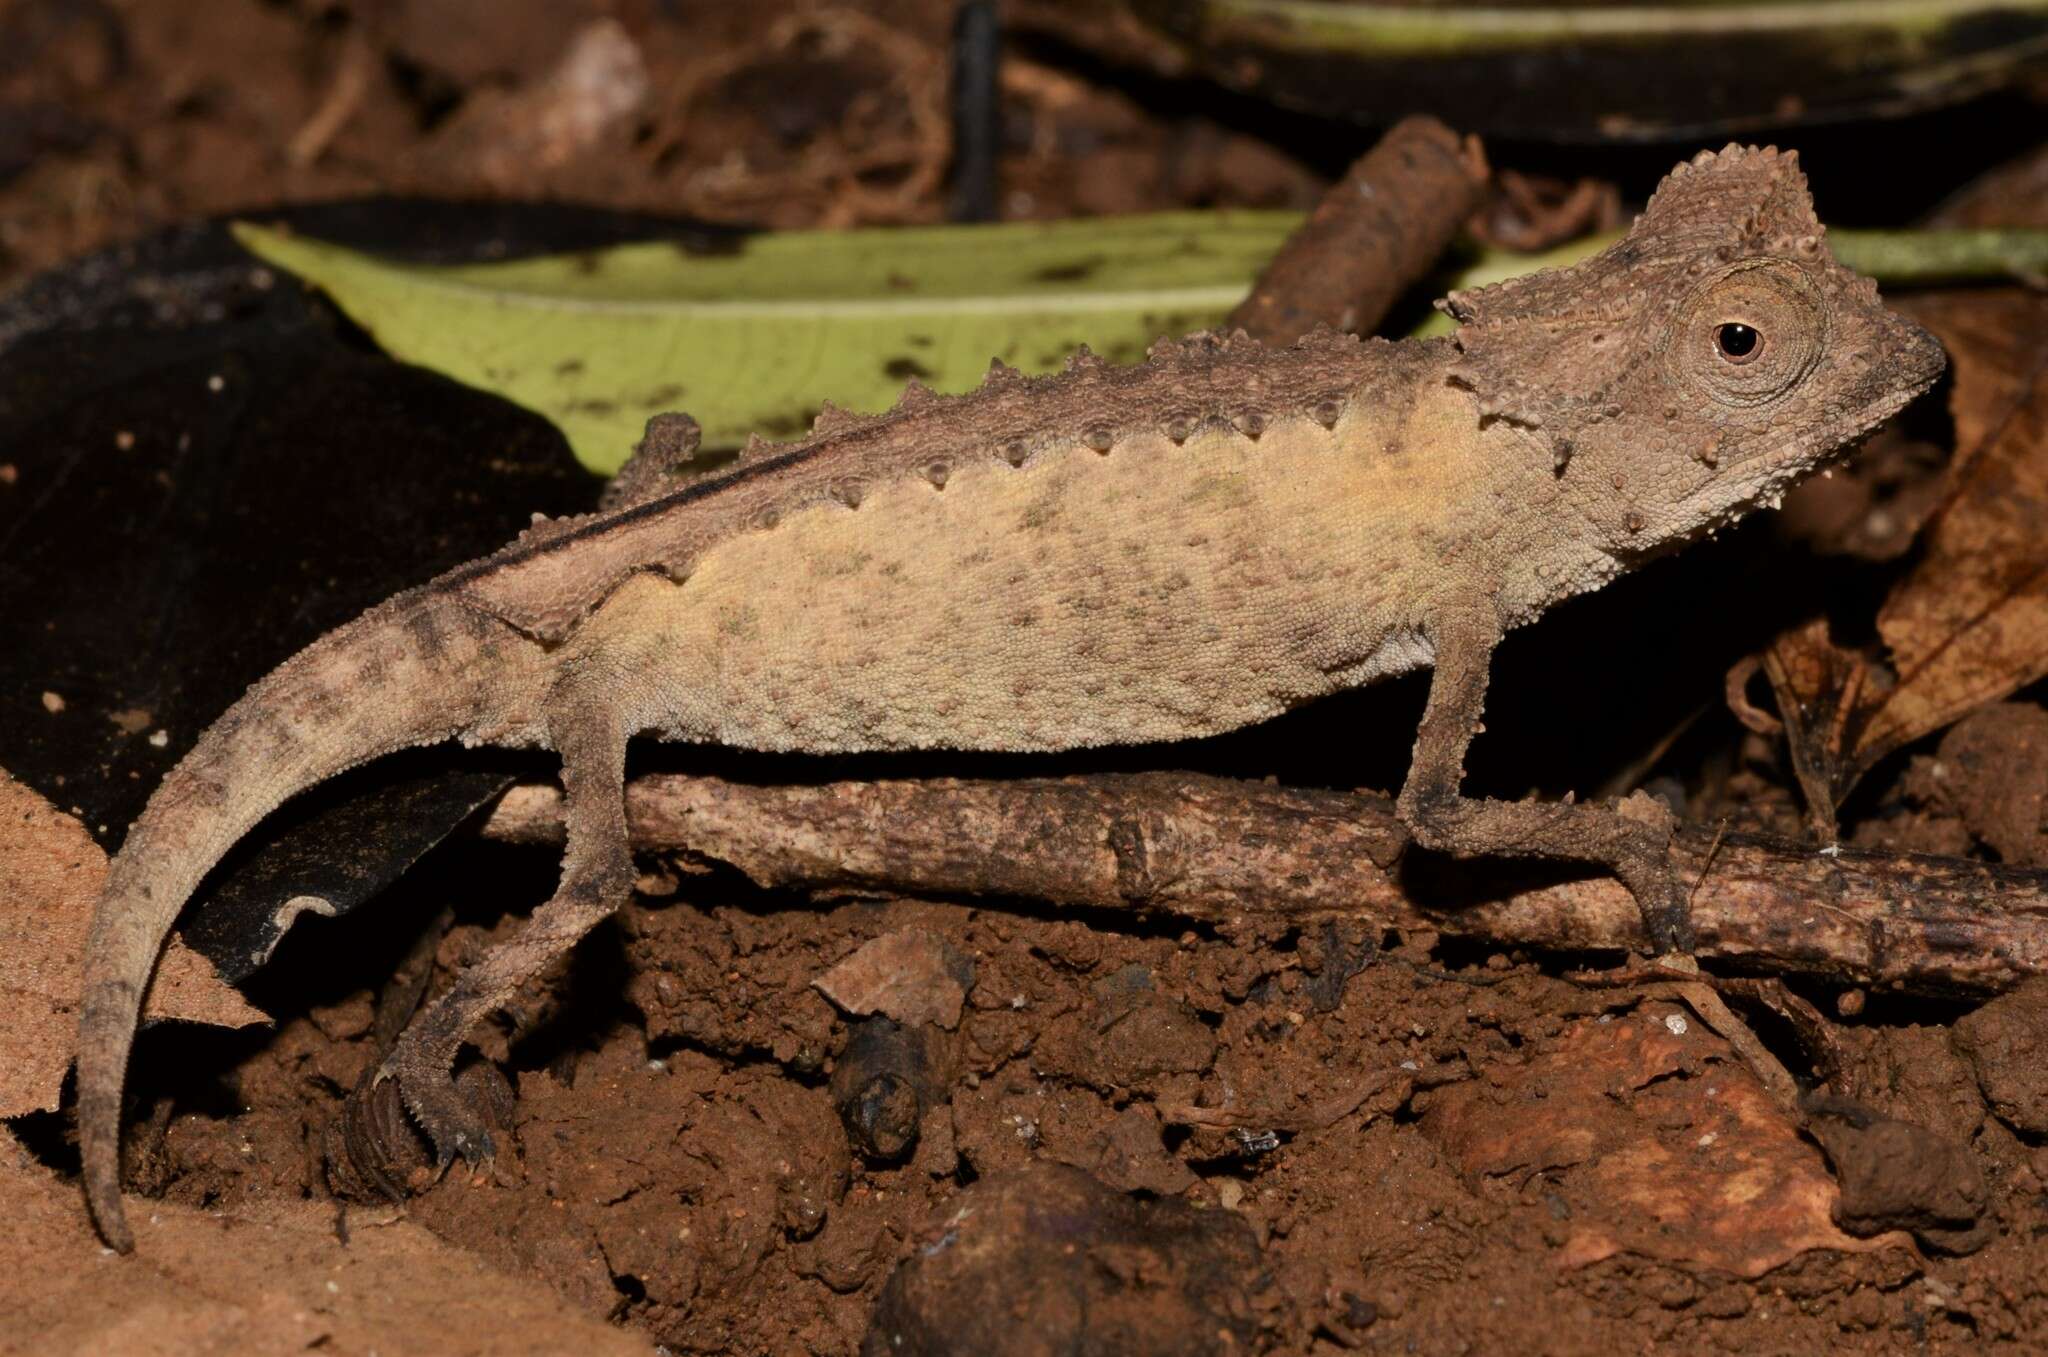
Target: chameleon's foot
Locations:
point(377, 1151)
point(1645, 867)
point(1667, 912)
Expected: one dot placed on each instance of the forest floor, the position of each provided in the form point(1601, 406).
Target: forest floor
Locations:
point(1434, 1146)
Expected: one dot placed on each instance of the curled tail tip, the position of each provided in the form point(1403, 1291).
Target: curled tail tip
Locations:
point(102, 1152)
point(110, 1219)
point(104, 1029)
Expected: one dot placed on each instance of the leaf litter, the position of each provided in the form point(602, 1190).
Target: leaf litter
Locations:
point(1967, 624)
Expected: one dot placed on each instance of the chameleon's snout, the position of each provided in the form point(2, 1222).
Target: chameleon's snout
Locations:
point(1904, 362)
point(1922, 358)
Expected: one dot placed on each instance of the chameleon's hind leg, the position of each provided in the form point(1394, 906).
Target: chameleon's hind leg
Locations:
point(1636, 848)
point(597, 876)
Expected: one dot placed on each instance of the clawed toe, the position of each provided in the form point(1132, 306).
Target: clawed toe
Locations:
point(1669, 930)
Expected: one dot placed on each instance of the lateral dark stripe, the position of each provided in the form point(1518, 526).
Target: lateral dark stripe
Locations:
point(517, 553)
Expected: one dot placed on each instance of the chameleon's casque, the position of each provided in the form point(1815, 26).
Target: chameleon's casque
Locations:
point(1109, 555)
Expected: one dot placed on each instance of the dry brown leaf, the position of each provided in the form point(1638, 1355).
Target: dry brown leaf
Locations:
point(1659, 1142)
point(1968, 623)
point(1819, 687)
point(50, 875)
point(910, 975)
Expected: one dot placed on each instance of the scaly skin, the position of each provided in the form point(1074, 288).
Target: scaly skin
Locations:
point(1112, 555)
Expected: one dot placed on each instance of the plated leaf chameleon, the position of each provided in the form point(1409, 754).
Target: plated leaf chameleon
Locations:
point(1108, 555)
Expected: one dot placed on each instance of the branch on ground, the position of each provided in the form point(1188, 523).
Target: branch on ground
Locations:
point(1241, 854)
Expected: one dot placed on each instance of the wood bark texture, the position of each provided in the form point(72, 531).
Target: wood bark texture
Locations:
point(1239, 854)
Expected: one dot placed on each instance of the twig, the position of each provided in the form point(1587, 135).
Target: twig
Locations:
point(1818, 1038)
point(1769, 1071)
point(1243, 854)
point(1403, 1083)
point(1707, 863)
point(351, 81)
point(1373, 236)
point(977, 111)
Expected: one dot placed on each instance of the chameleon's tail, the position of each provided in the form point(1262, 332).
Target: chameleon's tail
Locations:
point(409, 672)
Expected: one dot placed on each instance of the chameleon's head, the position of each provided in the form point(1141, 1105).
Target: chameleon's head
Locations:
point(1699, 366)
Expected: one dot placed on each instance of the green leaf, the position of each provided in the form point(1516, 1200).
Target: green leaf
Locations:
point(756, 339)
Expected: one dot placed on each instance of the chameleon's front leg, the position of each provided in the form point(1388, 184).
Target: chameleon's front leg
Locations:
point(597, 876)
point(1443, 818)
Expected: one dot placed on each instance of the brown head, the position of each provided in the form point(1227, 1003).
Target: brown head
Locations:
point(1699, 366)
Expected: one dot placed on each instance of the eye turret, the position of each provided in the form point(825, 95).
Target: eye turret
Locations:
point(1747, 337)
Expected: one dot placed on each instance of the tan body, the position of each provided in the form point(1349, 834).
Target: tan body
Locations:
point(1109, 556)
point(1160, 592)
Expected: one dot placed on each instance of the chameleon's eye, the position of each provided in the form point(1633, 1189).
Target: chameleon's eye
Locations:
point(1749, 335)
point(1738, 342)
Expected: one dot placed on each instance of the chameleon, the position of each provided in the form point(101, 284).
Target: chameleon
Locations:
point(1105, 555)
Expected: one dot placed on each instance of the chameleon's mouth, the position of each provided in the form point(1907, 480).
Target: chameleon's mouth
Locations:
point(1918, 366)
